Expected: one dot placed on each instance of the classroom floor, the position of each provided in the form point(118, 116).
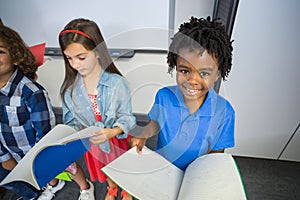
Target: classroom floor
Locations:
point(266, 179)
point(263, 179)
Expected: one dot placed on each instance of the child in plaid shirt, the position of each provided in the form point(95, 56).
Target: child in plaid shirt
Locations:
point(25, 108)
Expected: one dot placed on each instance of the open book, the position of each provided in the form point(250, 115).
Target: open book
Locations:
point(150, 176)
point(51, 155)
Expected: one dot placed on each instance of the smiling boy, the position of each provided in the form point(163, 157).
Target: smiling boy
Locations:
point(190, 118)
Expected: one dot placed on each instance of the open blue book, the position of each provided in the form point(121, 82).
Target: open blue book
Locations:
point(150, 176)
point(51, 155)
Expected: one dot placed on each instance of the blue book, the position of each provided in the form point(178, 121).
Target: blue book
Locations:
point(51, 155)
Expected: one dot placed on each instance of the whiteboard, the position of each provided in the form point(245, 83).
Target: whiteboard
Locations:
point(125, 24)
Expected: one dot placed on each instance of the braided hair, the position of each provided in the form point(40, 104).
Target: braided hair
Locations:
point(203, 34)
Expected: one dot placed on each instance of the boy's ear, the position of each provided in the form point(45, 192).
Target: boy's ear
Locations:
point(218, 75)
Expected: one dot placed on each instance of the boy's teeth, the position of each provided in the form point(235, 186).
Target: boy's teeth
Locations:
point(191, 90)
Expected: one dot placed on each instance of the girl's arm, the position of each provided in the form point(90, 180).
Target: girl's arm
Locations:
point(123, 108)
point(67, 116)
point(123, 118)
point(105, 134)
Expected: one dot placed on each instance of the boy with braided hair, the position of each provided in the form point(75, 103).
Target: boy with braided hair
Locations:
point(190, 118)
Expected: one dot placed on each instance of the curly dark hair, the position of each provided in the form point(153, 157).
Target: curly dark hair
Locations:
point(203, 34)
point(20, 53)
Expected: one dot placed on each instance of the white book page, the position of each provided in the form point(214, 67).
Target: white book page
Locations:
point(85, 133)
point(60, 134)
point(212, 176)
point(23, 170)
point(145, 176)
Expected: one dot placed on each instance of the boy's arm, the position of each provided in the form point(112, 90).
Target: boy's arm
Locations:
point(139, 143)
point(139, 140)
point(41, 113)
point(226, 138)
point(217, 151)
point(4, 154)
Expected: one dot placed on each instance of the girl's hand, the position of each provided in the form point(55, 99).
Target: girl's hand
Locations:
point(104, 135)
point(9, 164)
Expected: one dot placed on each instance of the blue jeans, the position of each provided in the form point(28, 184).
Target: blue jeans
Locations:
point(20, 188)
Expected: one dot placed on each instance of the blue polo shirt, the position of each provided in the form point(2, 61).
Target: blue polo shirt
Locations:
point(183, 136)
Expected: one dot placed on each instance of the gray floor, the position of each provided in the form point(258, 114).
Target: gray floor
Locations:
point(266, 179)
point(263, 179)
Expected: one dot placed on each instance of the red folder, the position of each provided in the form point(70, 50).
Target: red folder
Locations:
point(38, 51)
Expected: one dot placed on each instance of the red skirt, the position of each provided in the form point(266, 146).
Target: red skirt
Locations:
point(95, 158)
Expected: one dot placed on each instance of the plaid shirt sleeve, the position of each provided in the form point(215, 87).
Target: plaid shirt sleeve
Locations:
point(41, 113)
point(26, 116)
point(4, 154)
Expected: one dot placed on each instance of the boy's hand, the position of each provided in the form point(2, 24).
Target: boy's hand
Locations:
point(9, 164)
point(139, 143)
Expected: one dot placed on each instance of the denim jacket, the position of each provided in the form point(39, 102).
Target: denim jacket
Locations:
point(114, 102)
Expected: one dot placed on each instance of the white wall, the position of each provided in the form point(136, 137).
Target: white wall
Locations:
point(123, 23)
point(145, 72)
point(292, 149)
point(184, 9)
point(264, 83)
